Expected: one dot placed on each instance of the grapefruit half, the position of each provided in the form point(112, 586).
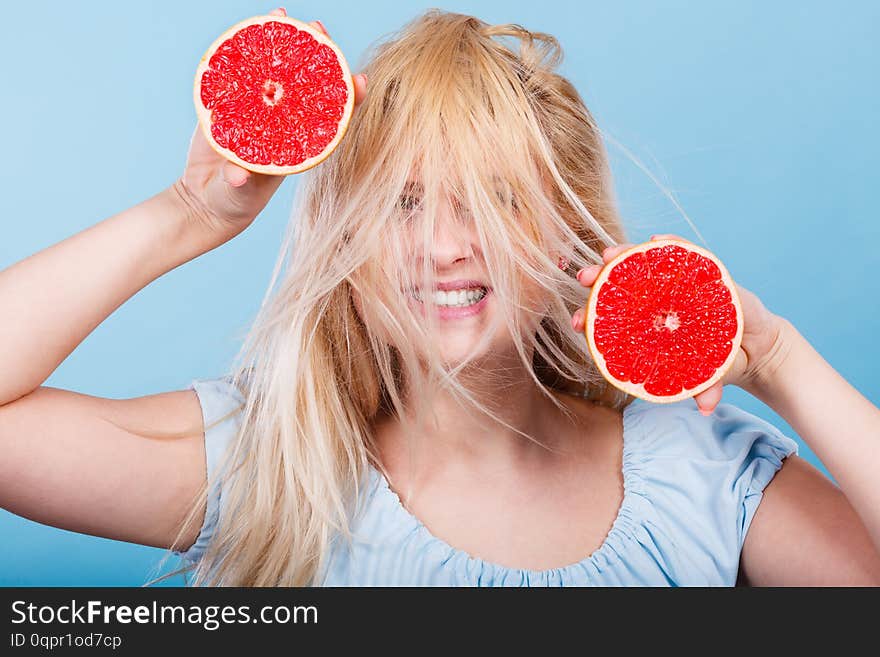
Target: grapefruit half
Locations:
point(274, 95)
point(663, 320)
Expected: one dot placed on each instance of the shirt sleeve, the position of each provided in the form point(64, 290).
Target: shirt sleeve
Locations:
point(219, 400)
point(705, 479)
point(757, 449)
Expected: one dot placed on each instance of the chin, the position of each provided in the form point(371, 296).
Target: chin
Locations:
point(454, 350)
point(455, 355)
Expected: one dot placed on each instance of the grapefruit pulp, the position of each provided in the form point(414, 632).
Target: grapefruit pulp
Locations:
point(273, 95)
point(663, 320)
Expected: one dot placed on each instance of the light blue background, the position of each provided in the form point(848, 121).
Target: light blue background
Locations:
point(760, 117)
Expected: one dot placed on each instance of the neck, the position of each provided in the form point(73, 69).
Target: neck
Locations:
point(453, 435)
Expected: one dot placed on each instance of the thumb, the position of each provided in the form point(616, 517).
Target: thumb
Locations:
point(709, 398)
point(234, 175)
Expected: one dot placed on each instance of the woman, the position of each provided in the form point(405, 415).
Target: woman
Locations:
point(414, 403)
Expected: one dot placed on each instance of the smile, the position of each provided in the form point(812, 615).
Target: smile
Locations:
point(454, 299)
point(460, 298)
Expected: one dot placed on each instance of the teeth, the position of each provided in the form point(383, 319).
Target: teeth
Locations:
point(455, 298)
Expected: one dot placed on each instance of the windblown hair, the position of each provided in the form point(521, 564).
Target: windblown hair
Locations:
point(465, 124)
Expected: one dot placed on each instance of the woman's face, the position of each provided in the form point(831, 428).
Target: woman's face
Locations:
point(467, 313)
point(462, 301)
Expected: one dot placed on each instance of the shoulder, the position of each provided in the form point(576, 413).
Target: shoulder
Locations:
point(703, 477)
point(217, 395)
point(222, 402)
point(729, 434)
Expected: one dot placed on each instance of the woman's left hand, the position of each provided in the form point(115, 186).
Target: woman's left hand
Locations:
point(763, 341)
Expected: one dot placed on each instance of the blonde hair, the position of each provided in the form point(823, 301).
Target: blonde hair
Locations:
point(462, 119)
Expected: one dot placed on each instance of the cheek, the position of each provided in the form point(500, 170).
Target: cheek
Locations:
point(371, 324)
point(535, 297)
point(538, 301)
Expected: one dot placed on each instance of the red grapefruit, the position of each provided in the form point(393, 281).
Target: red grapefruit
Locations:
point(274, 95)
point(663, 320)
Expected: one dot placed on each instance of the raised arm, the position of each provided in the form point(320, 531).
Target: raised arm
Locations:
point(85, 463)
point(68, 459)
point(80, 462)
point(53, 299)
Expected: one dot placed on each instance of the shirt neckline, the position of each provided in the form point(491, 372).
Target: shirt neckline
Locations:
point(621, 528)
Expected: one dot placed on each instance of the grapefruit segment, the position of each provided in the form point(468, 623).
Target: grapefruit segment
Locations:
point(274, 95)
point(663, 320)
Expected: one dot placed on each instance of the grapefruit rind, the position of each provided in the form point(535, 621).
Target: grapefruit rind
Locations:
point(204, 114)
point(638, 389)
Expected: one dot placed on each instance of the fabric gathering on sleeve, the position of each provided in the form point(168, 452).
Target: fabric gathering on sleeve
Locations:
point(218, 398)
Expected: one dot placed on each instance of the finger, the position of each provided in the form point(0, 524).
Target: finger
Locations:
point(234, 174)
point(318, 25)
point(709, 399)
point(587, 275)
point(577, 321)
point(360, 88)
point(281, 11)
point(611, 252)
point(668, 236)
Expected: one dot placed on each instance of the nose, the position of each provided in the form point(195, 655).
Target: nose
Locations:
point(453, 242)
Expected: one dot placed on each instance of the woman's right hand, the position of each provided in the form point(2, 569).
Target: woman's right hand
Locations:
point(221, 196)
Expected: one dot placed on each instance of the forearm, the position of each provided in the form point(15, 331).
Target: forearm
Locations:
point(53, 299)
point(838, 423)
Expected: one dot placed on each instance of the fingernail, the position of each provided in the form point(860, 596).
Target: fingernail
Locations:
point(364, 76)
point(323, 29)
point(578, 275)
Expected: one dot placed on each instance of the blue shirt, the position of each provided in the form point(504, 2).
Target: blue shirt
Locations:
point(692, 485)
